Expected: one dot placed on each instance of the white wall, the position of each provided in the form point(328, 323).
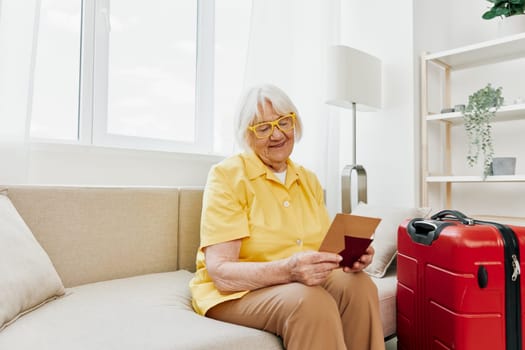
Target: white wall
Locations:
point(385, 139)
point(58, 164)
point(446, 24)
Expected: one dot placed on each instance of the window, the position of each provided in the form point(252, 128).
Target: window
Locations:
point(145, 82)
point(151, 69)
point(157, 74)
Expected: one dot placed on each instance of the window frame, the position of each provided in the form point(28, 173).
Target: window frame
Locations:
point(93, 95)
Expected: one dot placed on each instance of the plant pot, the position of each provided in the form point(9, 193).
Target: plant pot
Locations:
point(511, 25)
point(503, 165)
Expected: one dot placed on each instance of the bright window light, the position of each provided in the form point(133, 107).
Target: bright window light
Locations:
point(55, 65)
point(152, 69)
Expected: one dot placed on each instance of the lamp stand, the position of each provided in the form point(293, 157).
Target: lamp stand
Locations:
point(348, 170)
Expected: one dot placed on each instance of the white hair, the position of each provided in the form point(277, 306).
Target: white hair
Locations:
point(251, 109)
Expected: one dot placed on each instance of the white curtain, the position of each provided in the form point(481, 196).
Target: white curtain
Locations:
point(17, 23)
point(288, 45)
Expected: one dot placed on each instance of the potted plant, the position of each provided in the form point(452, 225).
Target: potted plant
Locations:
point(478, 114)
point(505, 8)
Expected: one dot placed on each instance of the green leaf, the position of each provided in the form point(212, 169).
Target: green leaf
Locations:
point(504, 8)
point(488, 15)
point(479, 112)
point(502, 11)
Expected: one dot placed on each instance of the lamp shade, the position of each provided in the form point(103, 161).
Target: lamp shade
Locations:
point(353, 77)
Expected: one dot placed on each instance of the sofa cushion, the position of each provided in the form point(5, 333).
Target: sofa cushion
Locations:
point(93, 233)
point(190, 207)
point(27, 276)
point(385, 236)
point(144, 312)
point(387, 288)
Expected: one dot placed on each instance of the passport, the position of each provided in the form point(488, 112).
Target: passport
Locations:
point(349, 236)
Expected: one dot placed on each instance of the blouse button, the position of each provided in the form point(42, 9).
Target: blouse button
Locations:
point(286, 204)
point(299, 242)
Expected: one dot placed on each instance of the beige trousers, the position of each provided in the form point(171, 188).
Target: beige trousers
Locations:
point(343, 313)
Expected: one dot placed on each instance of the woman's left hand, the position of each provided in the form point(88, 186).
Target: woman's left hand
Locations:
point(362, 262)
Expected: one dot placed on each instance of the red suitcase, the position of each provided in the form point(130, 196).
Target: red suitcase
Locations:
point(459, 285)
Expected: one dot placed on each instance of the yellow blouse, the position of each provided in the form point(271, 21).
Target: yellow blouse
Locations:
point(243, 199)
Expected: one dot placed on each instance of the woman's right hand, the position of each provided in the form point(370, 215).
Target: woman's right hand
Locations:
point(312, 268)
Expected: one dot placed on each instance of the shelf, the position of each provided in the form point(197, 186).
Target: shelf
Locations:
point(505, 113)
point(492, 51)
point(473, 178)
point(499, 50)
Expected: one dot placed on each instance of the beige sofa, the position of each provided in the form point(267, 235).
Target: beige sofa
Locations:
point(125, 256)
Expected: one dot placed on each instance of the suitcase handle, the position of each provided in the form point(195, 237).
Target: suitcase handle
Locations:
point(453, 215)
point(424, 231)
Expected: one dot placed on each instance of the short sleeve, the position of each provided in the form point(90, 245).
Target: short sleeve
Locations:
point(224, 216)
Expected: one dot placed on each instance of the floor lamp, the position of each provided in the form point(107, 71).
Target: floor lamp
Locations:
point(354, 82)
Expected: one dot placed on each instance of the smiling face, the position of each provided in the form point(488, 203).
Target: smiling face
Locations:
point(274, 150)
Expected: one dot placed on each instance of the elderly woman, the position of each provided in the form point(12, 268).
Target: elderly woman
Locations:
point(263, 220)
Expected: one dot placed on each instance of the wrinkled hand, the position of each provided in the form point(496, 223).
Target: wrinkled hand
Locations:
point(362, 262)
point(312, 268)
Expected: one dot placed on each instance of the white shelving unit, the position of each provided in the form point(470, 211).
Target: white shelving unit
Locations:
point(499, 178)
point(505, 113)
point(485, 53)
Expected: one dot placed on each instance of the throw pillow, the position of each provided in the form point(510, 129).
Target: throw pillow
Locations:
point(385, 236)
point(27, 276)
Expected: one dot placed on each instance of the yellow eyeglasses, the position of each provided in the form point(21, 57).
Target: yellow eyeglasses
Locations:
point(265, 129)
